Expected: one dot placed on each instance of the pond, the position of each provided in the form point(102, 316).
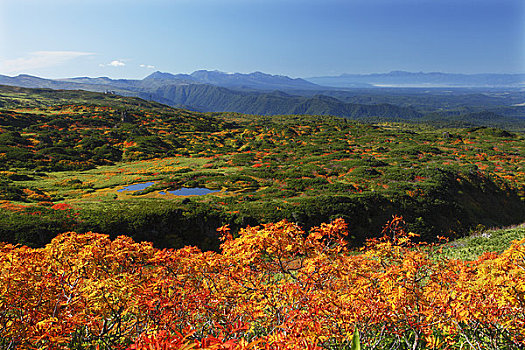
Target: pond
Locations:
point(196, 191)
point(136, 187)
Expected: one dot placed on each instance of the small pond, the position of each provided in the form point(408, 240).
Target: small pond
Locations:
point(197, 191)
point(136, 187)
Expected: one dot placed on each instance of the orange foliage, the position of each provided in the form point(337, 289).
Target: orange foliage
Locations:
point(62, 206)
point(273, 287)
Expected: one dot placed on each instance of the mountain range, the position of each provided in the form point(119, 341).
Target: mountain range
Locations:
point(410, 79)
point(212, 91)
point(265, 94)
point(251, 81)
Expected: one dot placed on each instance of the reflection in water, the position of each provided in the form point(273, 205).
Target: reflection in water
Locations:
point(197, 191)
point(136, 187)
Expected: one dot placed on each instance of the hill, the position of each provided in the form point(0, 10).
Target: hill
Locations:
point(209, 98)
point(68, 155)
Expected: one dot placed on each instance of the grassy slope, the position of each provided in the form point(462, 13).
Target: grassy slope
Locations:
point(493, 240)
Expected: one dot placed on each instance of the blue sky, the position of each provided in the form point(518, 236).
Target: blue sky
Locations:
point(299, 38)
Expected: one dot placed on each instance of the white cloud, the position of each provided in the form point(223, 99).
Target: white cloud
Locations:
point(147, 66)
point(116, 63)
point(39, 59)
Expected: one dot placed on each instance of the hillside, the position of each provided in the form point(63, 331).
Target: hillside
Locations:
point(67, 156)
point(275, 286)
point(210, 98)
point(483, 240)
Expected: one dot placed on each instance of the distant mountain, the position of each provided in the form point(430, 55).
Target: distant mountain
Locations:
point(251, 81)
point(168, 77)
point(29, 81)
point(255, 81)
point(210, 98)
point(435, 79)
point(196, 92)
point(265, 94)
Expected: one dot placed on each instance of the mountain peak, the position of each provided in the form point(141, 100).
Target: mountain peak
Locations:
point(255, 80)
point(160, 76)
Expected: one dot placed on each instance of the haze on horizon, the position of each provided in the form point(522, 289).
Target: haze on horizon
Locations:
point(297, 38)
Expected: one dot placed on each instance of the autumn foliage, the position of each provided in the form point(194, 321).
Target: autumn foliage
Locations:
point(273, 287)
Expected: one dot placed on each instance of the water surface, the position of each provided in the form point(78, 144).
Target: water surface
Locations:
point(136, 187)
point(196, 191)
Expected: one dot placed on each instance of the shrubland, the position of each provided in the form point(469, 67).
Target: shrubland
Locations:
point(302, 258)
point(275, 286)
point(78, 148)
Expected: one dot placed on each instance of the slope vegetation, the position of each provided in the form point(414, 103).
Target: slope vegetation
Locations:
point(67, 155)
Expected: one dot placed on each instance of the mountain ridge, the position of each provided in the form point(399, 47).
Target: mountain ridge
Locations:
point(266, 94)
point(422, 79)
point(181, 91)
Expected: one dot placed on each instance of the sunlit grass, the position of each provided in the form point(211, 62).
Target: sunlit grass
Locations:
point(494, 240)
